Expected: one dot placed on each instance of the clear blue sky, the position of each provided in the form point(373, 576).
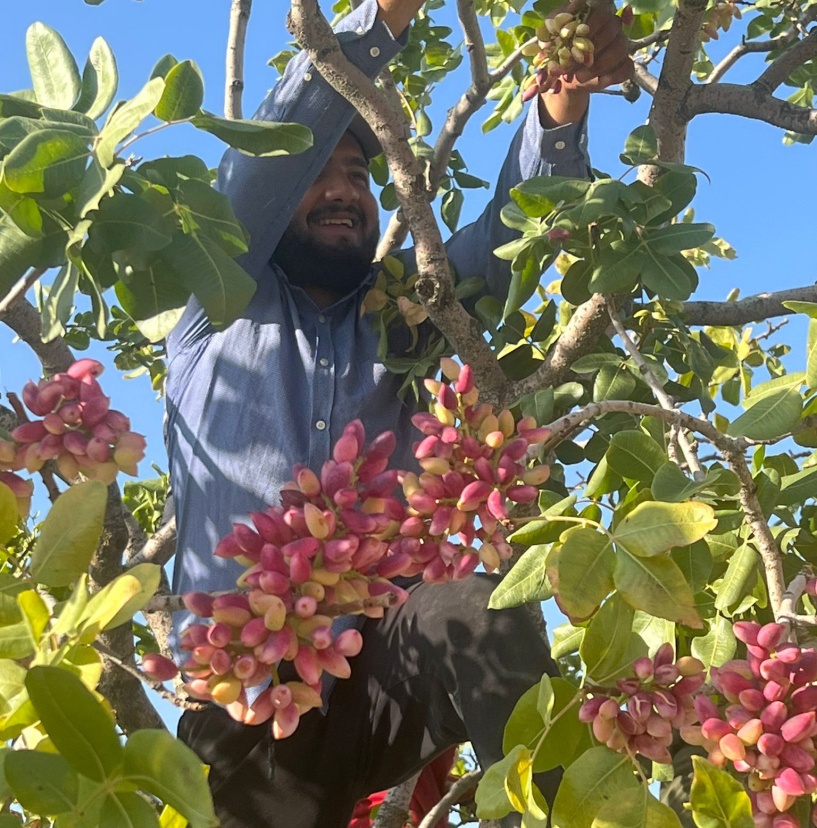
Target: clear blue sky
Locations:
point(757, 199)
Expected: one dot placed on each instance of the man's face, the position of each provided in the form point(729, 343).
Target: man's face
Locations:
point(332, 237)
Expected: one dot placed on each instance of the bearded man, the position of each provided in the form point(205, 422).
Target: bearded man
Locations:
point(278, 386)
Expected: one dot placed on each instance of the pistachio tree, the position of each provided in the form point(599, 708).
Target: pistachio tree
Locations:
point(676, 529)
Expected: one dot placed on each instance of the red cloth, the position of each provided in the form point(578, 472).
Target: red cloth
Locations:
point(430, 789)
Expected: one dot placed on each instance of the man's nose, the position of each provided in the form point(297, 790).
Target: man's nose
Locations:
point(340, 188)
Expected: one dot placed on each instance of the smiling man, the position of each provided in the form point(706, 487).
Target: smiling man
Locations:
point(277, 387)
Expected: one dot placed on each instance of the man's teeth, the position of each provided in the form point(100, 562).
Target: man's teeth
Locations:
point(343, 222)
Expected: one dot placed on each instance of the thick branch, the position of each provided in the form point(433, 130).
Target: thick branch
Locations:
point(23, 319)
point(751, 309)
point(463, 785)
point(394, 811)
point(666, 115)
point(159, 549)
point(239, 18)
point(580, 336)
point(435, 285)
point(790, 60)
point(751, 102)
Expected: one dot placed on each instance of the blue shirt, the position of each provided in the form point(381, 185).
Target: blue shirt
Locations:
point(277, 387)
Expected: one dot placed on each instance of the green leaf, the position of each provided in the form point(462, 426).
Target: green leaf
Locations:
point(679, 188)
point(613, 382)
point(35, 614)
point(492, 797)
point(70, 534)
point(184, 93)
point(43, 783)
point(601, 199)
point(641, 145)
point(526, 581)
point(596, 777)
point(54, 71)
point(604, 648)
point(798, 488)
point(126, 118)
point(17, 250)
point(657, 586)
point(677, 237)
point(718, 800)
point(585, 571)
point(204, 209)
point(772, 416)
point(539, 196)
point(9, 517)
point(811, 354)
point(154, 302)
point(59, 302)
point(655, 527)
point(260, 138)
point(635, 455)
point(672, 485)
point(127, 221)
point(739, 579)
point(12, 686)
point(545, 530)
point(618, 267)
point(695, 561)
point(671, 277)
point(96, 184)
point(223, 288)
point(718, 645)
point(636, 808)
point(100, 79)
point(117, 602)
point(69, 612)
point(127, 810)
point(76, 722)
point(168, 769)
point(50, 161)
point(451, 208)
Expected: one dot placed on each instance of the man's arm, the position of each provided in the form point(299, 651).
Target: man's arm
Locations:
point(551, 141)
point(397, 14)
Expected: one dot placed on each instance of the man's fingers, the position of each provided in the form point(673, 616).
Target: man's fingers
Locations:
point(621, 73)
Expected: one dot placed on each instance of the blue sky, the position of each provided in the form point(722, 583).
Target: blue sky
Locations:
point(757, 199)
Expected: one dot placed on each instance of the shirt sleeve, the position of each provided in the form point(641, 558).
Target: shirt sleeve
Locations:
point(264, 192)
point(534, 151)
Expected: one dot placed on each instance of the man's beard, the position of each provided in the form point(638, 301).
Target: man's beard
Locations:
point(336, 268)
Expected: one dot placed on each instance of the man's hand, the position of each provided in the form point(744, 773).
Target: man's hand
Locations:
point(612, 64)
point(397, 14)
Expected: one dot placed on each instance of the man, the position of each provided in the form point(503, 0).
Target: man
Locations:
point(277, 387)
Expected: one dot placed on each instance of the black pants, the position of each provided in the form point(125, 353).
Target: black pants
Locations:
point(439, 670)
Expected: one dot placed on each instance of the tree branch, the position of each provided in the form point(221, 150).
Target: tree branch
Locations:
point(780, 69)
point(660, 394)
point(464, 784)
point(23, 319)
point(20, 289)
point(234, 89)
point(159, 549)
point(435, 285)
point(579, 337)
point(661, 36)
point(750, 47)
point(394, 810)
point(750, 102)
point(645, 79)
point(752, 309)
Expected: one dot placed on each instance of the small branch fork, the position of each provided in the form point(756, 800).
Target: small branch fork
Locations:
point(661, 395)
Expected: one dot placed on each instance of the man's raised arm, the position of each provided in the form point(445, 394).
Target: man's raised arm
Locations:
point(397, 14)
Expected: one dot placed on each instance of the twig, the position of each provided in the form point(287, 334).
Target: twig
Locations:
point(464, 784)
point(157, 686)
point(791, 596)
point(47, 475)
point(394, 810)
point(771, 330)
point(239, 18)
point(20, 289)
point(780, 69)
point(660, 393)
point(751, 309)
point(661, 36)
point(159, 549)
point(747, 47)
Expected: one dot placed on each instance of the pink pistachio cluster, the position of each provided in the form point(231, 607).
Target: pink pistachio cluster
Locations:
point(767, 726)
point(78, 430)
point(640, 715)
point(338, 538)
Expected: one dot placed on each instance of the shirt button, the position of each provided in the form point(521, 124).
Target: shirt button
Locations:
point(321, 319)
point(324, 362)
point(374, 51)
point(559, 145)
point(307, 76)
point(320, 425)
point(360, 29)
